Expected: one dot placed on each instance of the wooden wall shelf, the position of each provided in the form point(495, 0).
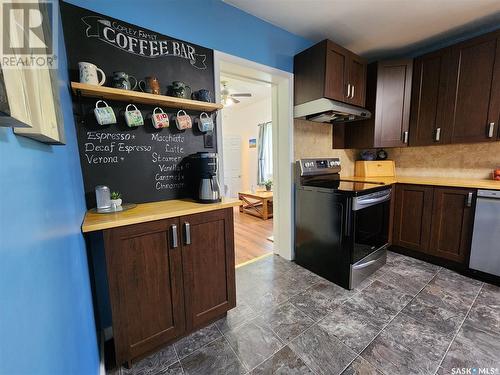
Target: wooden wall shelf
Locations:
point(101, 92)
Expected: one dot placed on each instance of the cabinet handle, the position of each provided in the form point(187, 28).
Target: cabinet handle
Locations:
point(348, 91)
point(469, 199)
point(187, 233)
point(405, 137)
point(438, 134)
point(491, 130)
point(175, 241)
point(352, 92)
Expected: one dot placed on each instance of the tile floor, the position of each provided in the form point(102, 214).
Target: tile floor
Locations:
point(410, 317)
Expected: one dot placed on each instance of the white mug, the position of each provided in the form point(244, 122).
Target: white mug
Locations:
point(88, 74)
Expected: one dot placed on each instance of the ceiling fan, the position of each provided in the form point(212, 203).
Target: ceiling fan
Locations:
point(228, 99)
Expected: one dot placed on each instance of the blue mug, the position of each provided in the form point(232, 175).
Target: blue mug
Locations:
point(202, 95)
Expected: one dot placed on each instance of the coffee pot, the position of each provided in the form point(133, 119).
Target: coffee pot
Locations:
point(206, 166)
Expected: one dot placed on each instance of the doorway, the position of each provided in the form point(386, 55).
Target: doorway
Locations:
point(281, 123)
point(248, 163)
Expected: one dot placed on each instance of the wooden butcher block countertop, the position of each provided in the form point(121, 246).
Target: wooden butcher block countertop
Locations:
point(151, 211)
point(435, 181)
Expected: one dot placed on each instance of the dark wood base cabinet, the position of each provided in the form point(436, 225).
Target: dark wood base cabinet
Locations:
point(436, 221)
point(167, 278)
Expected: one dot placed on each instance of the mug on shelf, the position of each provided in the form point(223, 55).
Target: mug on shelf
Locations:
point(151, 85)
point(205, 123)
point(121, 80)
point(183, 120)
point(179, 89)
point(104, 115)
point(88, 74)
point(159, 119)
point(202, 95)
point(133, 117)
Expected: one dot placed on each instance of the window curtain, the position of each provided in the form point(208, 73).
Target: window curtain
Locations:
point(265, 153)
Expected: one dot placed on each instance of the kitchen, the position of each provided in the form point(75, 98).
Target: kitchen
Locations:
point(386, 230)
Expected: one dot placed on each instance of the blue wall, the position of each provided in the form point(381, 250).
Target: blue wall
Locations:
point(46, 316)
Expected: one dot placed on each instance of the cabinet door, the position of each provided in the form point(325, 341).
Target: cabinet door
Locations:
point(427, 125)
point(473, 91)
point(336, 72)
point(412, 217)
point(392, 113)
point(145, 287)
point(357, 80)
point(452, 219)
point(208, 266)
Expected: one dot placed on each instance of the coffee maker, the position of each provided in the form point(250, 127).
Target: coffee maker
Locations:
point(205, 167)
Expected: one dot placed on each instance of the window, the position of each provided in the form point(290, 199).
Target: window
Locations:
point(265, 153)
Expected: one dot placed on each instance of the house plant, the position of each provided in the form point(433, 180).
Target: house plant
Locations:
point(116, 199)
point(268, 184)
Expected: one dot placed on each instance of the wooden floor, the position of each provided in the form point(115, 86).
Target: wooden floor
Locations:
point(250, 236)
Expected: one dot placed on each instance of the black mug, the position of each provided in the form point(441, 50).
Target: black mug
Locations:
point(201, 95)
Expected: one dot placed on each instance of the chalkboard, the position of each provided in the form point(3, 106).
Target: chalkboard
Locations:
point(143, 163)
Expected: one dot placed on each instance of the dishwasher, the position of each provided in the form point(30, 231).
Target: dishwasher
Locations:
point(485, 250)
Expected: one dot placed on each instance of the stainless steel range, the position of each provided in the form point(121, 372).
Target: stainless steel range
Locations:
point(341, 227)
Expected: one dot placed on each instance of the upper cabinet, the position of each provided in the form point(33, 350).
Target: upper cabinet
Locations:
point(474, 89)
point(456, 93)
point(331, 71)
point(427, 122)
point(388, 99)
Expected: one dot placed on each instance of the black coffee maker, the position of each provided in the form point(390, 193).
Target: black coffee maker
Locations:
point(205, 166)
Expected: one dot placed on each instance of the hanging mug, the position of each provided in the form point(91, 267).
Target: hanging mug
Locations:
point(205, 123)
point(159, 119)
point(88, 74)
point(183, 120)
point(133, 117)
point(104, 115)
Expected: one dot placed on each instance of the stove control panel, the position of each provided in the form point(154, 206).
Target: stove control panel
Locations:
point(310, 167)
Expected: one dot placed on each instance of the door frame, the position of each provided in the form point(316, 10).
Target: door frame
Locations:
point(282, 119)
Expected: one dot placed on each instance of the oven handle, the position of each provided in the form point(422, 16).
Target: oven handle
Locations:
point(363, 265)
point(360, 203)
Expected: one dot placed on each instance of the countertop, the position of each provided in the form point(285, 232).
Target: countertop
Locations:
point(151, 211)
point(436, 181)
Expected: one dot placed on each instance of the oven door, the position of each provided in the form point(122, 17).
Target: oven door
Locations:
point(370, 224)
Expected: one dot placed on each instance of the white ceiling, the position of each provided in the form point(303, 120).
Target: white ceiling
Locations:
point(377, 28)
point(259, 90)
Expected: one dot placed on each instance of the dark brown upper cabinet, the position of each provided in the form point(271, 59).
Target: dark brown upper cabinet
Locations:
point(331, 71)
point(388, 99)
point(427, 117)
point(473, 92)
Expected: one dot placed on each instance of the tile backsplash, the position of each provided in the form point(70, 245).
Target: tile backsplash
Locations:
point(474, 160)
point(314, 140)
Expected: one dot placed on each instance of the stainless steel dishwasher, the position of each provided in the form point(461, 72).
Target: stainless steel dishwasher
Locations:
point(485, 251)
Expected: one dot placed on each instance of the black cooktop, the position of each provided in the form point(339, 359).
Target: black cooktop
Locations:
point(346, 186)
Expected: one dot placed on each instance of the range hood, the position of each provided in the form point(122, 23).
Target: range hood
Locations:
point(326, 110)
